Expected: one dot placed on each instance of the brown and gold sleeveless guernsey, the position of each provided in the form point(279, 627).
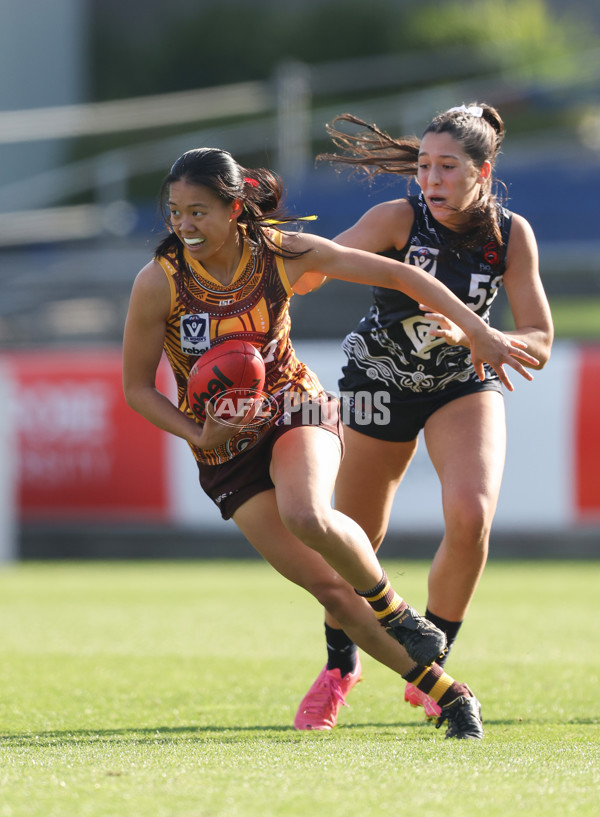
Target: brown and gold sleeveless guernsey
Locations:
point(254, 307)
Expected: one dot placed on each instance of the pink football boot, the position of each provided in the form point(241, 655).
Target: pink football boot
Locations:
point(320, 706)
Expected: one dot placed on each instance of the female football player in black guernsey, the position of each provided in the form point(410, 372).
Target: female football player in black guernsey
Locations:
point(228, 268)
point(456, 230)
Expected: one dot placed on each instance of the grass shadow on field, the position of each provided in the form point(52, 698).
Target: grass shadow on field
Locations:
point(156, 735)
point(520, 721)
point(147, 735)
point(171, 734)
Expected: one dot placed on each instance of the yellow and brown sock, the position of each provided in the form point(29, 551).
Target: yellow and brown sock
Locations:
point(384, 600)
point(437, 684)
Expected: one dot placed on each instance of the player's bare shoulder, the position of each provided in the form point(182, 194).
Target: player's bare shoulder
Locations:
point(152, 274)
point(520, 230)
point(521, 251)
point(401, 217)
point(383, 227)
point(151, 288)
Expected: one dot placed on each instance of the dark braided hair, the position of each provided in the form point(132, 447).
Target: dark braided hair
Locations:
point(375, 152)
point(260, 190)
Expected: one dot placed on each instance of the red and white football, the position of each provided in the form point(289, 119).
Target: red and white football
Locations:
point(228, 374)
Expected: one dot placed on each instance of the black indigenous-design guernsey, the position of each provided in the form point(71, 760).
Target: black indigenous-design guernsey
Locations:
point(392, 346)
point(254, 307)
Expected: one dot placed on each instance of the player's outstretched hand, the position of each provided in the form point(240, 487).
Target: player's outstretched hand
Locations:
point(491, 346)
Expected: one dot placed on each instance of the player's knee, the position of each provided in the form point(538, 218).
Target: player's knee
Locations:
point(307, 523)
point(470, 518)
point(337, 597)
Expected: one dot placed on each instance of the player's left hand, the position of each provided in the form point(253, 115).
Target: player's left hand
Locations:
point(491, 346)
point(446, 329)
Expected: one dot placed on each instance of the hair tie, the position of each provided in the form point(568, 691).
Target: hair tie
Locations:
point(251, 182)
point(299, 218)
point(474, 110)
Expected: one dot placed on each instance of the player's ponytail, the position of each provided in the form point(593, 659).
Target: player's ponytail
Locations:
point(369, 149)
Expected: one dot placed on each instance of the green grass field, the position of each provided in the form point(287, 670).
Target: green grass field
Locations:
point(576, 317)
point(138, 690)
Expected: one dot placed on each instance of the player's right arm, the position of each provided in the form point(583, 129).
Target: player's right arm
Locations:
point(143, 339)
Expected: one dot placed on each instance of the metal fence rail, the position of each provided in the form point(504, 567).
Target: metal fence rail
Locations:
point(281, 117)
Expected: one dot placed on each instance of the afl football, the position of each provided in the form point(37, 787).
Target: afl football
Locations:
point(228, 375)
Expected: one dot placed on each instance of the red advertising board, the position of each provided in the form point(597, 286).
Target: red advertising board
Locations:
point(587, 424)
point(82, 452)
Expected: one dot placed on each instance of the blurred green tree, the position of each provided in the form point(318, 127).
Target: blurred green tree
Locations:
point(522, 34)
point(182, 45)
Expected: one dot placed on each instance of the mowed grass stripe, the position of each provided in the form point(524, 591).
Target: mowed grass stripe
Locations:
point(131, 689)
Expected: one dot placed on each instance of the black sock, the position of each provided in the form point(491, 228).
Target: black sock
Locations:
point(451, 629)
point(341, 650)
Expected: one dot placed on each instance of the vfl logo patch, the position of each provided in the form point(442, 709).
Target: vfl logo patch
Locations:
point(423, 257)
point(194, 333)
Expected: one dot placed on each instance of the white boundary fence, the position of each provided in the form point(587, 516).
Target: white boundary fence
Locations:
point(280, 115)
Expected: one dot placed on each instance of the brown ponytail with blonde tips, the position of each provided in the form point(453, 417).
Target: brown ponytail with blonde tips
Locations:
point(370, 149)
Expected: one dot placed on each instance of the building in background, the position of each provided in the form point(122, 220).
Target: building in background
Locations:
point(44, 62)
